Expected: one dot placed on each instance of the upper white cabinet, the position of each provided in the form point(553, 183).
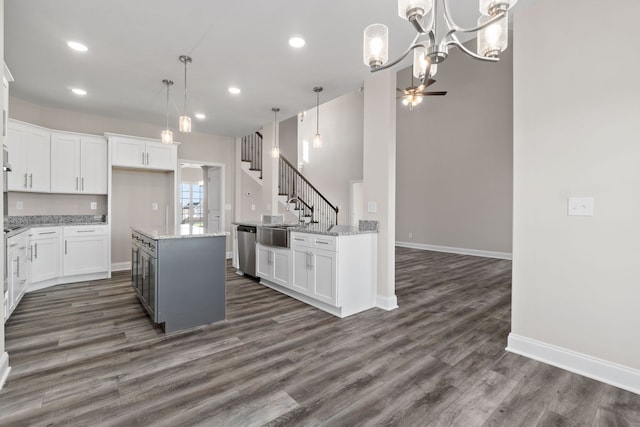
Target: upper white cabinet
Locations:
point(78, 163)
point(30, 156)
point(141, 153)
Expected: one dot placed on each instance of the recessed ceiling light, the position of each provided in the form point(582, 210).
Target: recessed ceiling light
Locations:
point(200, 116)
point(77, 46)
point(79, 91)
point(234, 90)
point(296, 42)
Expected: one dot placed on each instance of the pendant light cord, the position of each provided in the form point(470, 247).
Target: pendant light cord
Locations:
point(185, 88)
point(317, 112)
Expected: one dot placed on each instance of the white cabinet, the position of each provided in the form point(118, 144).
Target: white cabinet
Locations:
point(273, 264)
point(140, 153)
point(17, 271)
point(30, 157)
point(85, 249)
point(314, 269)
point(78, 163)
point(44, 249)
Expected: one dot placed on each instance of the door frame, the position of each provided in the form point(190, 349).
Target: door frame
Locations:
point(223, 204)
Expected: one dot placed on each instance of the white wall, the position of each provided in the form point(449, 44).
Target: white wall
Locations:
point(332, 167)
point(576, 280)
point(455, 158)
point(194, 146)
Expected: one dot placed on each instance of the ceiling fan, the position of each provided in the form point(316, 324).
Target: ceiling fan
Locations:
point(413, 95)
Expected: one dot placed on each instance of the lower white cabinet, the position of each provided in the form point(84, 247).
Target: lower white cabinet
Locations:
point(85, 249)
point(44, 250)
point(17, 272)
point(336, 274)
point(273, 264)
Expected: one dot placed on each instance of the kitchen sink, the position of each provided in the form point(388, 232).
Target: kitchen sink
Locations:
point(277, 236)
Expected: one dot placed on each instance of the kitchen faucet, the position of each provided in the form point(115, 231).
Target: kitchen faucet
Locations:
point(291, 200)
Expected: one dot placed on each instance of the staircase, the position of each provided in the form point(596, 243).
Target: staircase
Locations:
point(308, 204)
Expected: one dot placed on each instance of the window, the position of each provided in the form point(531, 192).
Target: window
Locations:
point(192, 201)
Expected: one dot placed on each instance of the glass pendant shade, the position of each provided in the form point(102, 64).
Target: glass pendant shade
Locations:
point(167, 137)
point(420, 63)
point(433, 70)
point(185, 124)
point(317, 141)
point(493, 39)
point(493, 7)
point(418, 8)
point(275, 152)
point(376, 45)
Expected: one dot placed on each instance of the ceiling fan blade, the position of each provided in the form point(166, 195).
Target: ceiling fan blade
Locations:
point(429, 82)
point(401, 90)
point(435, 93)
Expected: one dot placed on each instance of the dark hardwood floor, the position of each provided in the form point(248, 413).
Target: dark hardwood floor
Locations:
point(86, 354)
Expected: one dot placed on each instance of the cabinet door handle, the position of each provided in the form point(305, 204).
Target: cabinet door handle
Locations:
point(86, 231)
point(42, 233)
point(83, 183)
point(31, 178)
point(143, 158)
point(77, 184)
point(310, 261)
point(321, 242)
point(298, 239)
point(65, 247)
point(36, 252)
point(18, 266)
point(30, 253)
point(147, 159)
point(25, 180)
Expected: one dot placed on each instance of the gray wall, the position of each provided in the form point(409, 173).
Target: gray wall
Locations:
point(289, 139)
point(194, 146)
point(340, 160)
point(576, 133)
point(56, 204)
point(454, 156)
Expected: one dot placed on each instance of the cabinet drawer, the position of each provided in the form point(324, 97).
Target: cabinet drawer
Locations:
point(324, 242)
point(84, 230)
point(300, 239)
point(44, 232)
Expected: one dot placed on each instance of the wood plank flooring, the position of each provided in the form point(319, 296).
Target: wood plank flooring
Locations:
point(87, 354)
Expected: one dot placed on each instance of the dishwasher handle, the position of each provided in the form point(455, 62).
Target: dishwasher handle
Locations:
point(246, 229)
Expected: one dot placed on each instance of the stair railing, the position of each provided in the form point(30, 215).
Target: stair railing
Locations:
point(314, 205)
point(251, 151)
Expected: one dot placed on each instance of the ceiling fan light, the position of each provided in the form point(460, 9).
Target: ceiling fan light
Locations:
point(167, 137)
point(494, 38)
point(376, 45)
point(414, 8)
point(185, 124)
point(433, 70)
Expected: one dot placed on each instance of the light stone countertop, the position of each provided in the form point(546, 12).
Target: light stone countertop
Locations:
point(327, 230)
point(181, 234)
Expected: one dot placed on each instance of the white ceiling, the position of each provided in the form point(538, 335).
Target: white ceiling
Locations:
point(134, 44)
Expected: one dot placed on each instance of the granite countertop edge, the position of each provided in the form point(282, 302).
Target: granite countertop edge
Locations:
point(158, 236)
point(347, 231)
point(28, 227)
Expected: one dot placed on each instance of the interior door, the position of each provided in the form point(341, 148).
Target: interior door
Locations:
point(214, 202)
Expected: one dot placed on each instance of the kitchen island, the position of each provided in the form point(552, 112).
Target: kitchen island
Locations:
point(332, 268)
point(179, 277)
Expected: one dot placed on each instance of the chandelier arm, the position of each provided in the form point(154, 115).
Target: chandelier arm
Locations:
point(453, 27)
point(455, 42)
point(413, 45)
point(417, 25)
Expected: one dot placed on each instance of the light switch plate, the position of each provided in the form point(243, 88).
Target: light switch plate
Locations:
point(227, 206)
point(372, 207)
point(580, 206)
point(154, 206)
point(253, 207)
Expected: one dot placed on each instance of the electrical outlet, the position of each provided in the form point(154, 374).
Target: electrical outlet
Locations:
point(94, 206)
point(19, 205)
point(411, 235)
point(372, 207)
point(253, 207)
point(227, 207)
point(580, 206)
point(154, 206)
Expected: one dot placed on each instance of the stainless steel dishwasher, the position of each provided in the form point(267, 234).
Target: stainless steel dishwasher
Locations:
point(247, 249)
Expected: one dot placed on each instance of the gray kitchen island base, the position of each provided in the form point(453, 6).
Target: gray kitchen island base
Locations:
point(180, 280)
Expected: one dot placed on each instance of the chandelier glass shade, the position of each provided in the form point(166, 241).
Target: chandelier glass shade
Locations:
point(317, 139)
point(275, 150)
point(433, 40)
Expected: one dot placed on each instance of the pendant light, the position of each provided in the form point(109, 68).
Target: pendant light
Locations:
point(275, 151)
point(317, 140)
point(185, 121)
point(167, 135)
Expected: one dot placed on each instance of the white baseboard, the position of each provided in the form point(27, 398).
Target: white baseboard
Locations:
point(4, 368)
point(579, 363)
point(461, 251)
point(387, 303)
point(119, 266)
point(229, 255)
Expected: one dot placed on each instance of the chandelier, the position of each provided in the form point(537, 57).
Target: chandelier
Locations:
point(432, 43)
